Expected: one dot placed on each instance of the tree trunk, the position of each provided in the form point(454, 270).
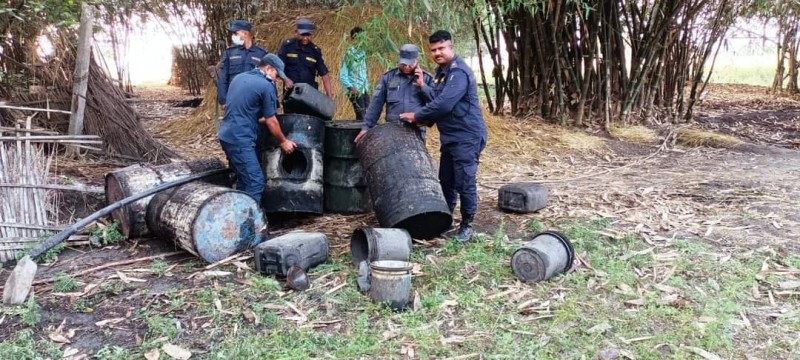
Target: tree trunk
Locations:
point(81, 76)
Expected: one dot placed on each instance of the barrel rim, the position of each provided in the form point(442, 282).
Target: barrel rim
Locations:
point(205, 202)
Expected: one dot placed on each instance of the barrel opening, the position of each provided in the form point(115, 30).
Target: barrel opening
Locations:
point(426, 225)
point(359, 246)
point(295, 165)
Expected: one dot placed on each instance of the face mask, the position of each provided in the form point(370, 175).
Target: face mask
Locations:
point(237, 40)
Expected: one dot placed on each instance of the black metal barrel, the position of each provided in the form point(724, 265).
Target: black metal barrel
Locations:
point(402, 182)
point(345, 190)
point(294, 181)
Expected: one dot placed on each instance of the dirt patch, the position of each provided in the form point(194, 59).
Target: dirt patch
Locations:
point(771, 127)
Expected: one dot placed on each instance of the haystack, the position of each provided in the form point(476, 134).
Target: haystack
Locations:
point(333, 29)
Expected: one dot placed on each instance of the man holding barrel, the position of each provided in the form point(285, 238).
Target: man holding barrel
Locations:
point(252, 101)
point(456, 112)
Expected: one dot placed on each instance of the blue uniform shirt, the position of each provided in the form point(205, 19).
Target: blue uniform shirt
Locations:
point(235, 61)
point(252, 96)
point(455, 109)
point(303, 63)
point(400, 95)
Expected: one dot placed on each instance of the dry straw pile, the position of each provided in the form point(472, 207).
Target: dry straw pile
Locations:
point(333, 28)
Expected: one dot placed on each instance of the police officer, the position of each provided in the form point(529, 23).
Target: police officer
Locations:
point(252, 101)
point(303, 59)
point(242, 56)
point(456, 112)
point(406, 88)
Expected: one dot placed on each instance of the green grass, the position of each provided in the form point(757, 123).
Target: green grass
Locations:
point(159, 268)
point(24, 345)
point(651, 302)
point(64, 283)
point(761, 75)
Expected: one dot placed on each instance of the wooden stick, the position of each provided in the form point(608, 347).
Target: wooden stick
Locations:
point(92, 189)
point(57, 141)
point(29, 226)
point(34, 109)
point(51, 137)
point(106, 266)
point(35, 131)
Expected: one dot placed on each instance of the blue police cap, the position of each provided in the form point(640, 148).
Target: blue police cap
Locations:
point(305, 26)
point(274, 61)
point(408, 54)
point(237, 25)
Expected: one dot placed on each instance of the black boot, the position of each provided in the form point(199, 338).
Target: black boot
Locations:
point(465, 229)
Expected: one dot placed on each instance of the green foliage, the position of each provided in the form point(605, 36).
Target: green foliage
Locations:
point(23, 345)
point(64, 283)
point(112, 353)
point(109, 235)
point(30, 315)
point(159, 267)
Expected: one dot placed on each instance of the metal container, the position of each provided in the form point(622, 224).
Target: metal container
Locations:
point(546, 255)
point(375, 244)
point(136, 179)
point(522, 197)
point(402, 182)
point(302, 249)
point(390, 283)
point(345, 191)
point(294, 181)
point(211, 222)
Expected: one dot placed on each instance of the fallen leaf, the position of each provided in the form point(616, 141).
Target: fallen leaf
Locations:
point(152, 355)
point(216, 273)
point(702, 353)
point(668, 299)
point(59, 338)
point(70, 352)
point(176, 352)
point(250, 316)
point(608, 354)
point(635, 302)
point(793, 284)
point(599, 328)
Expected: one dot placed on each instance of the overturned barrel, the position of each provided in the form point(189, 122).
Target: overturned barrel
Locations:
point(136, 179)
point(209, 221)
point(402, 182)
point(345, 191)
point(294, 181)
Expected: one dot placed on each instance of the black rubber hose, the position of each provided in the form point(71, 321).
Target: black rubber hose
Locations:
point(66, 233)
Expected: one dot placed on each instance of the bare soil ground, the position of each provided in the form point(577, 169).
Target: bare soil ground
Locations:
point(682, 253)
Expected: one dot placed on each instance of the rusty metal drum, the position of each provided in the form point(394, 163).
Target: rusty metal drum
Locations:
point(211, 222)
point(137, 178)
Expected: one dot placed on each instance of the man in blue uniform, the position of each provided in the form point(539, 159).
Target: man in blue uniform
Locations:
point(456, 112)
point(353, 75)
point(303, 59)
point(252, 101)
point(406, 88)
point(242, 56)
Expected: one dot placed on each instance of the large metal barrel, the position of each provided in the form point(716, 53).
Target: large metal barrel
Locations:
point(136, 179)
point(345, 190)
point(402, 181)
point(294, 181)
point(209, 221)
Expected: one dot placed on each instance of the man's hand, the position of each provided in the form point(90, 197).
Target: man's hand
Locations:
point(361, 135)
point(223, 107)
point(408, 117)
point(288, 84)
point(288, 146)
point(420, 78)
point(353, 91)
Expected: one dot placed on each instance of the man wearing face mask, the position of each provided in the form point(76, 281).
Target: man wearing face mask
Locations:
point(303, 59)
point(243, 56)
point(252, 104)
point(457, 114)
point(406, 88)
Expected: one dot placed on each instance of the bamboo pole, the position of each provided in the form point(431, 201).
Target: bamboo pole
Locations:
point(92, 189)
point(81, 76)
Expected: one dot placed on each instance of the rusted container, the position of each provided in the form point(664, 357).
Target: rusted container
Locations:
point(209, 221)
point(135, 179)
point(402, 182)
point(549, 253)
point(302, 249)
point(345, 190)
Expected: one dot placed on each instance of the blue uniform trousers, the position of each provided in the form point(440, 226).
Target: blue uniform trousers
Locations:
point(458, 168)
point(244, 162)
